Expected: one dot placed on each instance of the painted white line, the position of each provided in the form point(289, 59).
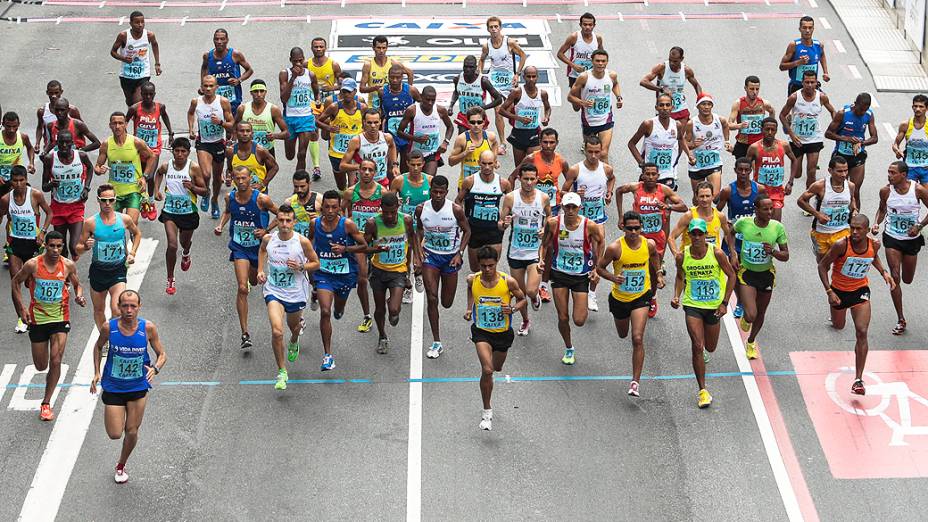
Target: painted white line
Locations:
point(558, 15)
point(5, 377)
point(162, 4)
point(102, 4)
point(813, 4)
point(245, 21)
point(787, 494)
point(890, 131)
point(873, 102)
point(309, 19)
point(682, 16)
point(744, 16)
point(122, 20)
point(183, 21)
point(621, 17)
point(414, 448)
point(64, 444)
point(705, 2)
point(854, 72)
point(839, 46)
point(19, 402)
point(58, 20)
point(824, 22)
point(223, 6)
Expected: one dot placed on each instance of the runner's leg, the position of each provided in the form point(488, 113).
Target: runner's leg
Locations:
point(242, 268)
point(170, 251)
point(135, 411)
point(639, 319)
point(861, 316)
point(275, 315)
point(762, 302)
point(695, 328)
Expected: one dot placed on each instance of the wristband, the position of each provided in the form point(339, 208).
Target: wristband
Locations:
point(157, 370)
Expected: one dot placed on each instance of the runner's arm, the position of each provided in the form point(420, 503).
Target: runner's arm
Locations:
point(134, 232)
point(633, 142)
point(832, 131)
point(648, 80)
point(887, 275)
point(829, 258)
point(787, 63)
point(312, 260)
point(43, 204)
point(347, 163)
point(262, 259)
point(167, 124)
point(900, 137)
point(102, 340)
point(678, 231)
point(117, 45)
point(93, 143)
point(239, 57)
point(562, 51)
point(874, 135)
point(504, 212)
point(156, 51)
point(27, 270)
point(464, 225)
point(506, 110)
point(352, 230)
point(691, 77)
point(154, 340)
point(612, 252)
point(678, 281)
point(726, 267)
point(497, 97)
point(516, 291)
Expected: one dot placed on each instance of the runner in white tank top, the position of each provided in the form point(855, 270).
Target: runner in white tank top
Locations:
point(506, 62)
point(137, 51)
point(801, 119)
point(23, 219)
point(578, 47)
point(706, 137)
point(804, 119)
point(70, 178)
point(440, 227)
point(207, 131)
point(428, 125)
point(837, 206)
point(593, 180)
point(670, 77)
point(376, 151)
point(662, 147)
point(595, 93)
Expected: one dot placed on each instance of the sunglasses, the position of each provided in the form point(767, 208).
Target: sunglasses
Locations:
point(633, 229)
point(107, 200)
point(475, 122)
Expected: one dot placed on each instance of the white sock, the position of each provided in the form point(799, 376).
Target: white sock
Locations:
point(488, 414)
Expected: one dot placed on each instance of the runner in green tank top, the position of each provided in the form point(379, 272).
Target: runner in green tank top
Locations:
point(263, 117)
point(413, 189)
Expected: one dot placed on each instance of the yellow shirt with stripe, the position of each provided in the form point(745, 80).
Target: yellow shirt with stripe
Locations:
point(633, 264)
point(325, 73)
point(125, 165)
point(714, 228)
point(346, 126)
point(394, 238)
point(258, 171)
point(377, 78)
point(488, 303)
point(10, 155)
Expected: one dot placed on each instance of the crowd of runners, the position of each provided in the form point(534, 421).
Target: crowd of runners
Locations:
point(392, 225)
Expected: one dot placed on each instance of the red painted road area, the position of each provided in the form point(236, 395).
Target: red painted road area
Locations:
point(881, 435)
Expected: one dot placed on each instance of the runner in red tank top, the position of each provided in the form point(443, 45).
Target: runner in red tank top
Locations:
point(769, 166)
point(747, 112)
point(79, 130)
point(147, 116)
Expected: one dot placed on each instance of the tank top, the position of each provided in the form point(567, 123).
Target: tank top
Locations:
point(426, 125)
point(363, 208)
point(304, 213)
point(394, 238)
point(549, 175)
point(676, 82)
point(531, 108)
point(769, 168)
point(572, 249)
point(470, 94)
point(481, 205)
point(70, 177)
point(329, 261)
point(804, 118)
point(440, 228)
point(411, 196)
point(124, 371)
point(137, 49)
point(23, 218)
point(147, 127)
point(209, 132)
point(488, 304)
point(713, 228)
point(740, 206)
point(528, 221)
point(48, 116)
point(224, 69)
point(257, 169)
point(347, 125)
point(49, 292)
point(916, 146)
point(593, 182)
point(246, 219)
point(633, 266)
point(581, 54)
point(903, 211)
point(376, 151)
point(705, 280)
point(752, 114)
point(814, 52)
point(709, 153)
point(649, 206)
point(79, 140)
point(262, 124)
point(109, 248)
point(125, 165)
point(470, 165)
point(10, 154)
point(378, 78)
point(662, 148)
point(284, 283)
point(835, 205)
point(325, 73)
point(394, 107)
point(599, 91)
point(502, 65)
point(300, 102)
point(177, 199)
point(849, 272)
point(852, 125)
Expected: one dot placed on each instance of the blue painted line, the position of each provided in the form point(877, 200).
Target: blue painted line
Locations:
point(65, 385)
point(311, 381)
point(445, 379)
point(190, 383)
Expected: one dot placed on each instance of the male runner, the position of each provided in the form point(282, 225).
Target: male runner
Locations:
point(328, 75)
point(361, 202)
point(183, 182)
point(299, 90)
point(375, 145)
point(847, 129)
point(834, 205)
point(284, 259)
point(914, 134)
point(670, 78)
point(635, 277)
point(704, 278)
point(767, 155)
point(707, 137)
point(128, 161)
point(22, 208)
point(763, 239)
point(471, 89)
point(45, 114)
point(471, 143)
point(246, 153)
point(263, 116)
point(490, 306)
point(391, 240)
point(804, 54)
point(127, 374)
point(746, 114)
point(105, 235)
point(739, 196)
point(576, 244)
point(506, 61)
point(247, 209)
point(146, 117)
point(15, 147)
point(849, 260)
point(581, 45)
point(135, 47)
point(717, 225)
point(528, 110)
point(395, 98)
point(526, 211)
point(443, 231)
point(342, 120)
point(66, 176)
point(481, 194)
point(208, 118)
point(374, 72)
point(83, 138)
point(337, 242)
point(664, 142)
point(413, 190)
point(900, 206)
point(593, 92)
point(801, 118)
point(48, 277)
point(420, 127)
point(225, 64)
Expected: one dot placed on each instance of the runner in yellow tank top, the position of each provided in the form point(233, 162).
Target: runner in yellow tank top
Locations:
point(127, 164)
point(466, 150)
point(717, 224)
point(246, 153)
point(326, 70)
point(13, 153)
point(343, 121)
point(374, 72)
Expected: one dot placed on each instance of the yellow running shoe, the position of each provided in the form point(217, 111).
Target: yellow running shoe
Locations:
point(750, 349)
point(366, 324)
point(703, 399)
point(745, 326)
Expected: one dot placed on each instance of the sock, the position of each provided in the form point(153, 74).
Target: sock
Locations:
point(314, 152)
point(488, 413)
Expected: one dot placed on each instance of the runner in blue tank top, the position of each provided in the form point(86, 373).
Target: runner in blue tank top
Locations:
point(247, 209)
point(394, 99)
point(336, 240)
point(226, 64)
point(804, 54)
point(849, 129)
point(127, 375)
point(739, 196)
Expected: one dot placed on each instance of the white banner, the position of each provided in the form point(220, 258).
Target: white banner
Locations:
point(915, 22)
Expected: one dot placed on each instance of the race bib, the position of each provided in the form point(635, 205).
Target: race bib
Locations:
point(802, 68)
point(300, 98)
point(301, 227)
point(490, 317)
point(438, 241)
point(706, 159)
point(594, 209)
point(5, 171)
point(430, 145)
point(122, 173)
point(753, 123)
point(532, 113)
point(524, 238)
point(601, 106)
point(260, 137)
point(127, 368)
point(174, 204)
point(501, 79)
point(679, 101)
point(770, 176)
point(652, 223)
point(393, 125)
point(210, 131)
point(338, 265)
point(753, 253)
point(23, 227)
point(149, 136)
point(244, 235)
point(395, 254)
point(805, 127)
point(663, 158)
point(550, 190)
point(570, 262)
point(486, 213)
point(360, 218)
point(705, 290)
point(282, 277)
point(856, 267)
point(69, 190)
point(110, 252)
point(340, 142)
point(846, 148)
point(48, 291)
point(837, 216)
point(916, 154)
point(465, 102)
point(633, 282)
point(227, 92)
point(134, 70)
point(900, 224)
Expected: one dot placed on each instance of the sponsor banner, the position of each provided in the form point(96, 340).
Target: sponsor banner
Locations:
point(434, 59)
point(448, 26)
point(434, 41)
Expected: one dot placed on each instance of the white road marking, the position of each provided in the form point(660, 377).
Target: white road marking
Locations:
point(744, 16)
point(64, 444)
point(813, 4)
point(183, 21)
point(890, 131)
point(854, 72)
point(414, 449)
point(245, 21)
point(19, 402)
point(824, 22)
point(787, 494)
point(873, 102)
point(223, 5)
point(621, 17)
point(5, 377)
point(558, 15)
point(682, 16)
point(839, 46)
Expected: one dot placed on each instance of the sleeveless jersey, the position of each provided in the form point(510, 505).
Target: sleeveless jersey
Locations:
point(70, 178)
point(470, 165)
point(804, 118)
point(49, 292)
point(177, 199)
point(411, 196)
point(572, 249)
point(262, 124)
point(393, 106)
point(10, 154)
point(347, 125)
point(528, 221)
point(549, 176)
point(662, 148)
point(581, 54)
point(24, 221)
point(470, 94)
point(676, 82)
point(109, 248)
point(752, 114)
point(599, 91)
point(378, 78)
point(325, 73)
point(916, 146)
point(903, 211)
point(769, 167)
point(246, 218)
point(426, 125)
point(394, 238)
point(301, 96)
point(442, 235)
point(481, 205)
point(855, 126)
point(125, 369)
point(329, 261)
point(502, 66)
point(713, 228)
point(256, 168)
point(209, 132)
point(709, 153)
point(284, 283)
point(593, 183)
point(304, 213)
point(125, 165)
point(835, 205)
point(138, 49)
point(849, 272)
point(147, 127)
point(224, 69)
point(633, 266)
point(814, 52)
point(705, 281)
point(79, 140)
point(531, 108)
point(488, 304)
point(376, 151)
point(649, 206)
point(363, 208)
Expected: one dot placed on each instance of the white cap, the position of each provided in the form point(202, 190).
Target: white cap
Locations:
point(571, 198)
point(705, 97)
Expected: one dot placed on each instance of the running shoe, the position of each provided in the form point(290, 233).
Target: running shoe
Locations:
point(568, 356)
point(337, 315)
point(652, 308)
point(435, 350)
point(204, 203)
point(366, 324)
point(419, 284)
point(407, 295)
point(858, 387)
point(293, 351)
point(328, 362)
point(899, 329)
point(591, 303)
point(246, 341)
point(121, 476)
point(744, 325)
point(282, 379)
point(383, 346)
point(21, 327)
point(214, 213)
point(536, 301)
point(6, 259)
point(739, 311)
point(750, 350)
point(46, 413)
point(705, 356)
point(486, 420)
point(663, 268)
point(806, 213)
point(314, 301)
point(633, 389)
point(544, 293)
point(317, 173)
point(703, 399)
point(302, 325)
point(523, 330)
point(185, 262)
point(170, 289)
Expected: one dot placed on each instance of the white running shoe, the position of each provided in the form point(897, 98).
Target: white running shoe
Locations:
point(523, 330)
point(486, 421)
point(591, 302)
point(407, 295)
point(536, 302)
point(420, 286)
point(633, 389)
point(21, 327)
point(435, 350)
point(121, 476)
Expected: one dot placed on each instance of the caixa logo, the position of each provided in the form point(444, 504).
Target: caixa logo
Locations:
point(443, 25)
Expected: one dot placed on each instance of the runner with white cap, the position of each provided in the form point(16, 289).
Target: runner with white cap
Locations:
point(707, 137)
